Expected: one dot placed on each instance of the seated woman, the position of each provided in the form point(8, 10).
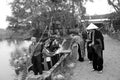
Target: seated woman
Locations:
point(51, 45)
point(54, 47)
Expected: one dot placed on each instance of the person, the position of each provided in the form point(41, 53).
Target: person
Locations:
point(35, 53)
point(89, 48)
point(53, 46)
point(79, 41)
point(84, 37)
point(47, 58)
point(97, 45)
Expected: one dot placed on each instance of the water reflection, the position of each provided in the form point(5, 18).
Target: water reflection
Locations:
point(6, 71)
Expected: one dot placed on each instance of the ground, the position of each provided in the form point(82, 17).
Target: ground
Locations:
point(111, 71)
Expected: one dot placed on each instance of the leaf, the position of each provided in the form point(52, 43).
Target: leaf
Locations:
point(44, 13)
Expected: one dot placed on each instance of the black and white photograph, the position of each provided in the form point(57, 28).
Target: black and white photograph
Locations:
point(60, 40)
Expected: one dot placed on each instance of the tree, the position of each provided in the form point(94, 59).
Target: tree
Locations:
point(115, 4)
point(37, 14)
point(115, 17)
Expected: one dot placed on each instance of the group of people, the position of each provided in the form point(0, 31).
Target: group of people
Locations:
point(94, 42)
point(42, 54)
point(92, 38)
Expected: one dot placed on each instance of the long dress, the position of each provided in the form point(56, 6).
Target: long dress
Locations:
point(81, 45)
point(98, 50)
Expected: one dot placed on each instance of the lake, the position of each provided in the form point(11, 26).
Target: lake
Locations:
point(6, 70)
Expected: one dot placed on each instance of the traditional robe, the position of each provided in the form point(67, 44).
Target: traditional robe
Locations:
point(98, 47)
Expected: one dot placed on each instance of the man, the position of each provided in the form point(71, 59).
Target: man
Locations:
point(35, 53)
point(97, 46)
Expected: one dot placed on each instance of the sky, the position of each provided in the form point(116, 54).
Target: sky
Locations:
point(97, 7)
point(4, 12)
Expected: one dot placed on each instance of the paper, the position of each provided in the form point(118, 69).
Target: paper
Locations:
point(48, 59)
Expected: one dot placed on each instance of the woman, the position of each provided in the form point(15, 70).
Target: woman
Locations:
point(97, 46)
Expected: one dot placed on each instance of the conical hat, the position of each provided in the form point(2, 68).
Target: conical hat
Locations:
point(91, 26)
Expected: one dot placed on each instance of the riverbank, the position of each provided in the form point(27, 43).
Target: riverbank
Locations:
point(6, 70)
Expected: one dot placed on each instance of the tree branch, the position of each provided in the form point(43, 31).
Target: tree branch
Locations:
point(117, 9)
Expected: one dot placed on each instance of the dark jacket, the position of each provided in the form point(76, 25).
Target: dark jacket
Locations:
point(98, 35)
point(84, 35)
point(35, 50)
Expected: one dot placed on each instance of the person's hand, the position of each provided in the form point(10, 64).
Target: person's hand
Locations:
point(91, 44)
point(87, 40)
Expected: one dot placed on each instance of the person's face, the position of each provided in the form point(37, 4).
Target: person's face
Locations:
point(88, 31)
point(92, 30)
point(33, 39)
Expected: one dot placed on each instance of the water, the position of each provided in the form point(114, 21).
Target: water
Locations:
point(6, 71)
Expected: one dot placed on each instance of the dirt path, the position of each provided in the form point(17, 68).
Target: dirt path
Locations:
point(111, 71)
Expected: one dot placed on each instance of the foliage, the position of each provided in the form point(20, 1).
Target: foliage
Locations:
point(115, 16)
point(116, 5)
point(35, 15)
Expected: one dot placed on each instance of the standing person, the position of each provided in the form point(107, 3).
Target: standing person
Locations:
point(98, 47)
point(84, 37)
point(89, 48)
point(36, 55)
point(80, 43)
